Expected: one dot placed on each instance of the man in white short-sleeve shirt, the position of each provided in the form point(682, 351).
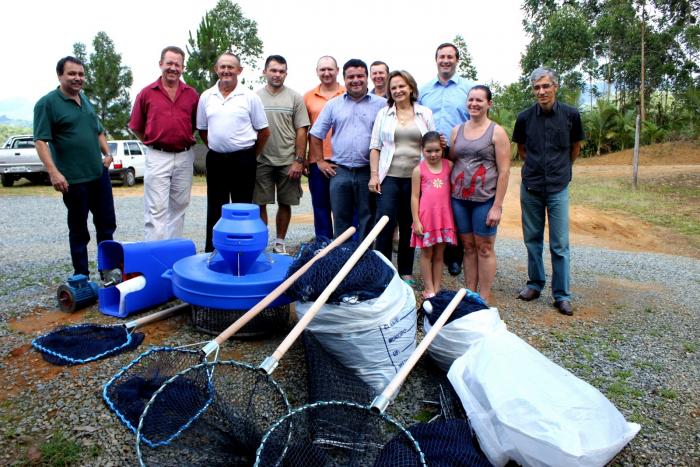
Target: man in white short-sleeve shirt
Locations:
point(232, 123)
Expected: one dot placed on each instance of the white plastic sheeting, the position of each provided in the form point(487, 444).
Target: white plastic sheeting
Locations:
point(524, 407)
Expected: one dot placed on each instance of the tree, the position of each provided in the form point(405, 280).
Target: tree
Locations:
point(223, 29)
point(563, 43)
point(107, 84)
point(465, 69)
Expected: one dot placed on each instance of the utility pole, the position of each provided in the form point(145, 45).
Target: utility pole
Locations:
point(635, 159)
point(643, 74)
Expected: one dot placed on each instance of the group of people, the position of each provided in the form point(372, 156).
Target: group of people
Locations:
point(430, 159)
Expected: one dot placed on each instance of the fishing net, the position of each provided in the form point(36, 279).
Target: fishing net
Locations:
point(445, 443)
point(357, 438)
point(328, 379)
point(211, 414)
point(448, 440)
point(216, 320)
point(367, 279)
point(128, 392)
point(82, 343)
point(337, 428)
point(144, 375)
point(73, 345)
point(470, 303)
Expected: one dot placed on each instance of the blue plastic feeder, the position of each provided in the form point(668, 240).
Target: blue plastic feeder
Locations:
point(238, 275)
point(148, 259)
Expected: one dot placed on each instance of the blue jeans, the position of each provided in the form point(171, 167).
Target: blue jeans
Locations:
point(395, 202)
point(349, 191)
point(534, 205)
point(470, 216)
point(319, 186)
point(95, 197)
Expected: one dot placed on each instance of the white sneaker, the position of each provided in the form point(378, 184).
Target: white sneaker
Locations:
point(279, 248)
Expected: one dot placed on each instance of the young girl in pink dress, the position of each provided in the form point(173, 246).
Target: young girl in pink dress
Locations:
point(433, 223)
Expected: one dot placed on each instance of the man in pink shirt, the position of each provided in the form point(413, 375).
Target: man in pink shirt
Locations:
point(163, 117)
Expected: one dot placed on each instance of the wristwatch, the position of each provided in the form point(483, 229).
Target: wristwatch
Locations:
point(300, 160)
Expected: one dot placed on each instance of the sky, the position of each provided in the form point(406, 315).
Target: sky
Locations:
point(36, 33)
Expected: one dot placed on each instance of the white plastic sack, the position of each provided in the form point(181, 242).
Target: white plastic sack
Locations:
point(375, 337)
point(526, 408)
point(455, 337)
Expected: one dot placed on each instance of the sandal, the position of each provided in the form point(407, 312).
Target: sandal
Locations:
point(427, 295)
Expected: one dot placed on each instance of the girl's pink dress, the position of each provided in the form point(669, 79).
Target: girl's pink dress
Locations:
point(435, 209)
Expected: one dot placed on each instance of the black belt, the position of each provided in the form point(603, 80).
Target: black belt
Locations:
point(164, 149)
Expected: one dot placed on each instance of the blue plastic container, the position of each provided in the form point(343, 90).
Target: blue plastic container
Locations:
point(209, 282)
point(240, 236)
point(149, 259)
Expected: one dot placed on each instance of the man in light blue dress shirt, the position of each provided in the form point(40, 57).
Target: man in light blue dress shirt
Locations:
point(351, 117)
point(446, 96)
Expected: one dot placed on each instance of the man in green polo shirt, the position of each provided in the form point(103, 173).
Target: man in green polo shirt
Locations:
point(70, 141)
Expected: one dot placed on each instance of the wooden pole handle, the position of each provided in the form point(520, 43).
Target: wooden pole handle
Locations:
point(279, 290)
point(158, 315)
point(271, 362)
point(382, 401)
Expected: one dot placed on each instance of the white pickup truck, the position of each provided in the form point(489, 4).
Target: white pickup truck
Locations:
point(18, 158)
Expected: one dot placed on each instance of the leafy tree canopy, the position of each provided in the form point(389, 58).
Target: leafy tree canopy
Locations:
point(107, 84)
point(223, 29)
point(465, 69)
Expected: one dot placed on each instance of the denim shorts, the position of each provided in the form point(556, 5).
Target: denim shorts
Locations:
point(470, 217)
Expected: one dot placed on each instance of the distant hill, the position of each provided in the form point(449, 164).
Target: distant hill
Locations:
point(5, 120)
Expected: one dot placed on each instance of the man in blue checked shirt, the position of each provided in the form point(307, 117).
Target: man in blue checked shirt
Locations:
point(446, 96)
point(351, 117)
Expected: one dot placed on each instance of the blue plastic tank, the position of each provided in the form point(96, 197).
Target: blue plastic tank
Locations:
point(149, 259)
point(240, 236)
point(238, 274)
point(208, 281)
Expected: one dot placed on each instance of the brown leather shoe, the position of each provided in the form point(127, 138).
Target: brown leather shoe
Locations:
point(528, 293)
point(564, 307)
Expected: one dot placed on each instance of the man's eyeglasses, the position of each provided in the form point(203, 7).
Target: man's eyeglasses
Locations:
point(544, 87)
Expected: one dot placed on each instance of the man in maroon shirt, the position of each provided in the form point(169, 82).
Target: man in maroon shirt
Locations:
point(163, 117)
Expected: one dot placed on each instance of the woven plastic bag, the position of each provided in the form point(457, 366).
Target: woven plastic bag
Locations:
point(373, 337)
point(524, 407)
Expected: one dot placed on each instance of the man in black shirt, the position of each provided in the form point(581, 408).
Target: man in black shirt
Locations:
point(549, 136)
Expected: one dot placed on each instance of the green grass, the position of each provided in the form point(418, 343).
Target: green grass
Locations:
point(670, 202)
point(637, 417)
point(612, 355)
point(423, 416)
point(558, 335)
point(669, 394)
point(60, 451)
point(621, 389)
point(690, 347)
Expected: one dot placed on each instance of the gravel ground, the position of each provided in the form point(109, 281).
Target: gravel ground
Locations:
point(634, 336)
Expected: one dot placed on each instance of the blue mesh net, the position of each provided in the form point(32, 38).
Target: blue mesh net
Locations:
point(210, 414)
point(367, 279)
point(128, 392)
point(328, 379)
point(72, 345)
point(470, 303)
point(445, 443)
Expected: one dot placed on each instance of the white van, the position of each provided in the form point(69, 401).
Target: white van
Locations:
point(129, 161)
